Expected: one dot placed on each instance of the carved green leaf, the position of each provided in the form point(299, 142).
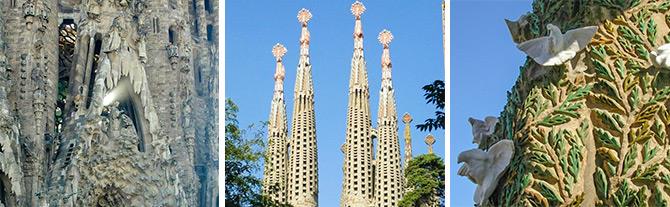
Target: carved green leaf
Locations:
point(575, 161)
point(660, 96)
point(601, 183)
point(608, 102)
point(606, 138)
point(553, 120)
point(549, 192)
point(647, 174)
point(647, 114)
point(651, 31)
point(602, 70)
point(648, 153)
point(599, 51)
point(623, 196)
point(542, 158)
point(613, 121)
point(658, 197)
point(630, 158)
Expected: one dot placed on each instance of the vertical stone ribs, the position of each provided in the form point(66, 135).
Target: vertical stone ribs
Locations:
point(303, 172)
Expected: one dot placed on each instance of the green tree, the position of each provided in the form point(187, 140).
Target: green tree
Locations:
point(434, 94)
point(242, 160)
point(244, 155)
point(425, 182)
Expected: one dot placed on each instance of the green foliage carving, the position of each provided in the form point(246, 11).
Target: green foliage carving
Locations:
point(617, 107)
point(601, 183)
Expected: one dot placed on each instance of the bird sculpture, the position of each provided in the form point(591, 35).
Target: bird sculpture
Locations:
point(482, 129)
point(661, 57)
point(485, 167)
point(558, 48)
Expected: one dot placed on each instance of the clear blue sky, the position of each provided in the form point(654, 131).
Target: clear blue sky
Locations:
point(484, 65)
point(253, 27)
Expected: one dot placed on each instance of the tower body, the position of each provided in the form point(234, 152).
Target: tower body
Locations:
point(388, 175)
point(357, 189)
point(274, 176)
point(303, 171)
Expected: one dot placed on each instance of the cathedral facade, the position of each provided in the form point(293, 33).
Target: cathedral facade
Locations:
point(108, 103)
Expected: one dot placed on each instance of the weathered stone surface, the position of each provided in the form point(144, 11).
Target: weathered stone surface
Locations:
point(95, 112)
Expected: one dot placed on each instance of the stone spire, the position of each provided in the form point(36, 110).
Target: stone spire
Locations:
point(430, 140)
point(274, 175)
point(406, 118)
point(357, 184)
point(388, 174)
point(303, 171)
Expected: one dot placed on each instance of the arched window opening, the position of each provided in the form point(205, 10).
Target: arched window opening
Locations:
point(208, 6)
point(129, 108)
point(93, 70)
point(67, 37)
point(156, 25)
point(172, 35)
point(210, 33)
point(194, 9)
point(130, 105)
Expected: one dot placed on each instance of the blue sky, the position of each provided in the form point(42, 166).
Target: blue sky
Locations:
point(253, 27)
point(484, 65)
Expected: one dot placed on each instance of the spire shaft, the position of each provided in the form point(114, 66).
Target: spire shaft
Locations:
point(303, 171)
point(388, 174)
point(357, 184)
point(274, 174)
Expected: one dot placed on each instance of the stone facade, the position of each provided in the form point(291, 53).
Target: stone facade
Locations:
point(592, 131)
point(118, 110)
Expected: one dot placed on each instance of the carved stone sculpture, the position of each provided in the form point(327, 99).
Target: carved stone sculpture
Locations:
point(481, 130)
point(516, 28)
point(661, 57)
point(558, 48)
point(484, 168)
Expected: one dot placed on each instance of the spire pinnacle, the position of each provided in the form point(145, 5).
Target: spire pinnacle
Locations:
point(406, 118)
point(304, 16)
point(357, 9)
point(385, 37)
point(278, 51)
point(430, 140)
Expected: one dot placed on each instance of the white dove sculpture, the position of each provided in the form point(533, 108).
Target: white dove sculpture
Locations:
point(558, 48)
point(484, 168)
point(661, 57)
point(481, 130)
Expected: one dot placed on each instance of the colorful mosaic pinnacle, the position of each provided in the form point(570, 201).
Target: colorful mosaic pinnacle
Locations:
point(304, 16)
point(430, 140)
point(357, 9)
point(385, 37)
point(278, 51)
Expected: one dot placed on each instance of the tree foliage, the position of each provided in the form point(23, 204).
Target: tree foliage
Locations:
point(425, 182)
point(244, 155)
point(434, 94)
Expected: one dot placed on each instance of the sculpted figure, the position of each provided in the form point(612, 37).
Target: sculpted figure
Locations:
point(484, 168)
point(516, 28)
point(558, 48)
point(481, 130)
point(661, 57)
